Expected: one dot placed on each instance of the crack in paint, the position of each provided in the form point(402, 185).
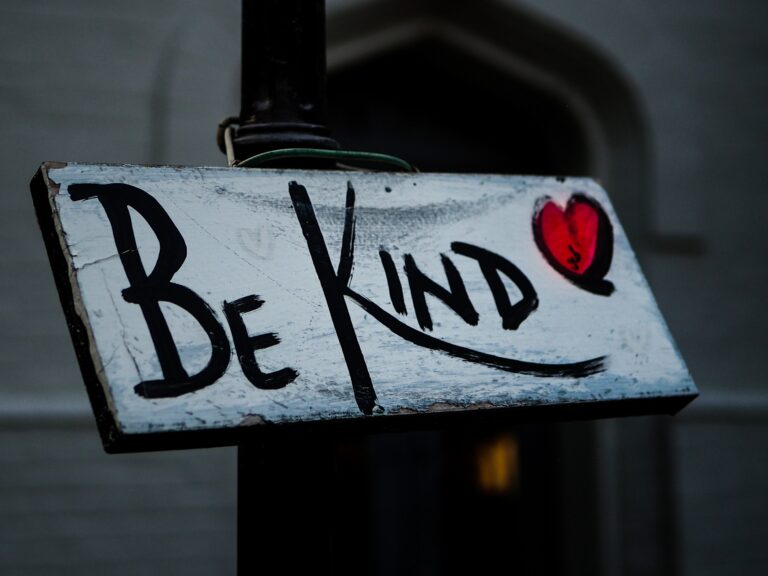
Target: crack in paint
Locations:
point(104, 366)
point(122, 326)
point(97, 261)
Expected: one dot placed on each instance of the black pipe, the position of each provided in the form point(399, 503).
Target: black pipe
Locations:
point(283, 77)
point(285, 485)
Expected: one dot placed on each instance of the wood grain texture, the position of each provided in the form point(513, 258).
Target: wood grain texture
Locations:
point(252, 238)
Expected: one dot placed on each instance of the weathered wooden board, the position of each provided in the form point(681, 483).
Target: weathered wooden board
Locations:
point(210, 303)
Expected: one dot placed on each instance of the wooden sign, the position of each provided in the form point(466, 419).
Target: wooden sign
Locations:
point(207, 303)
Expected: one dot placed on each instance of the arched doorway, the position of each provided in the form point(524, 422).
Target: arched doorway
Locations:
point(483, 90)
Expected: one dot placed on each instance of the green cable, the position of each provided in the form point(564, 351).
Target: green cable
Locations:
point(265, 157)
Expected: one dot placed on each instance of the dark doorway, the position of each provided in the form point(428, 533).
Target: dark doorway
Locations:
point(466, 501)
point(445, 111)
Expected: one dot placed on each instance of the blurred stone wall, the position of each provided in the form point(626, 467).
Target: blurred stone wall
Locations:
point(147, 82)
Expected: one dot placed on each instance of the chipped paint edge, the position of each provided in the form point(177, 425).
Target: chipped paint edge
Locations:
point(44, 192)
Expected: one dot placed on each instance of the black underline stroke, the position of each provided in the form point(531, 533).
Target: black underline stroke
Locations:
point(406, 332)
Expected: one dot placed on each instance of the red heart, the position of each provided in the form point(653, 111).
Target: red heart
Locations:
point(577, 241)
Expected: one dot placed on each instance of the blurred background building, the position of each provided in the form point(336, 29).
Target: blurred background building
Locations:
point(663, 101)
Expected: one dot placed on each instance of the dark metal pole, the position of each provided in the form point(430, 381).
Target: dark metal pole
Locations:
point(283, 77)
point(287, 506)
point(286, 488)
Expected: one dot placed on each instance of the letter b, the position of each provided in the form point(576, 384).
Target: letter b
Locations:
point(148, 290)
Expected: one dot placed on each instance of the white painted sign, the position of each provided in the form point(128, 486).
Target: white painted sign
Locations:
point(204, 302)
